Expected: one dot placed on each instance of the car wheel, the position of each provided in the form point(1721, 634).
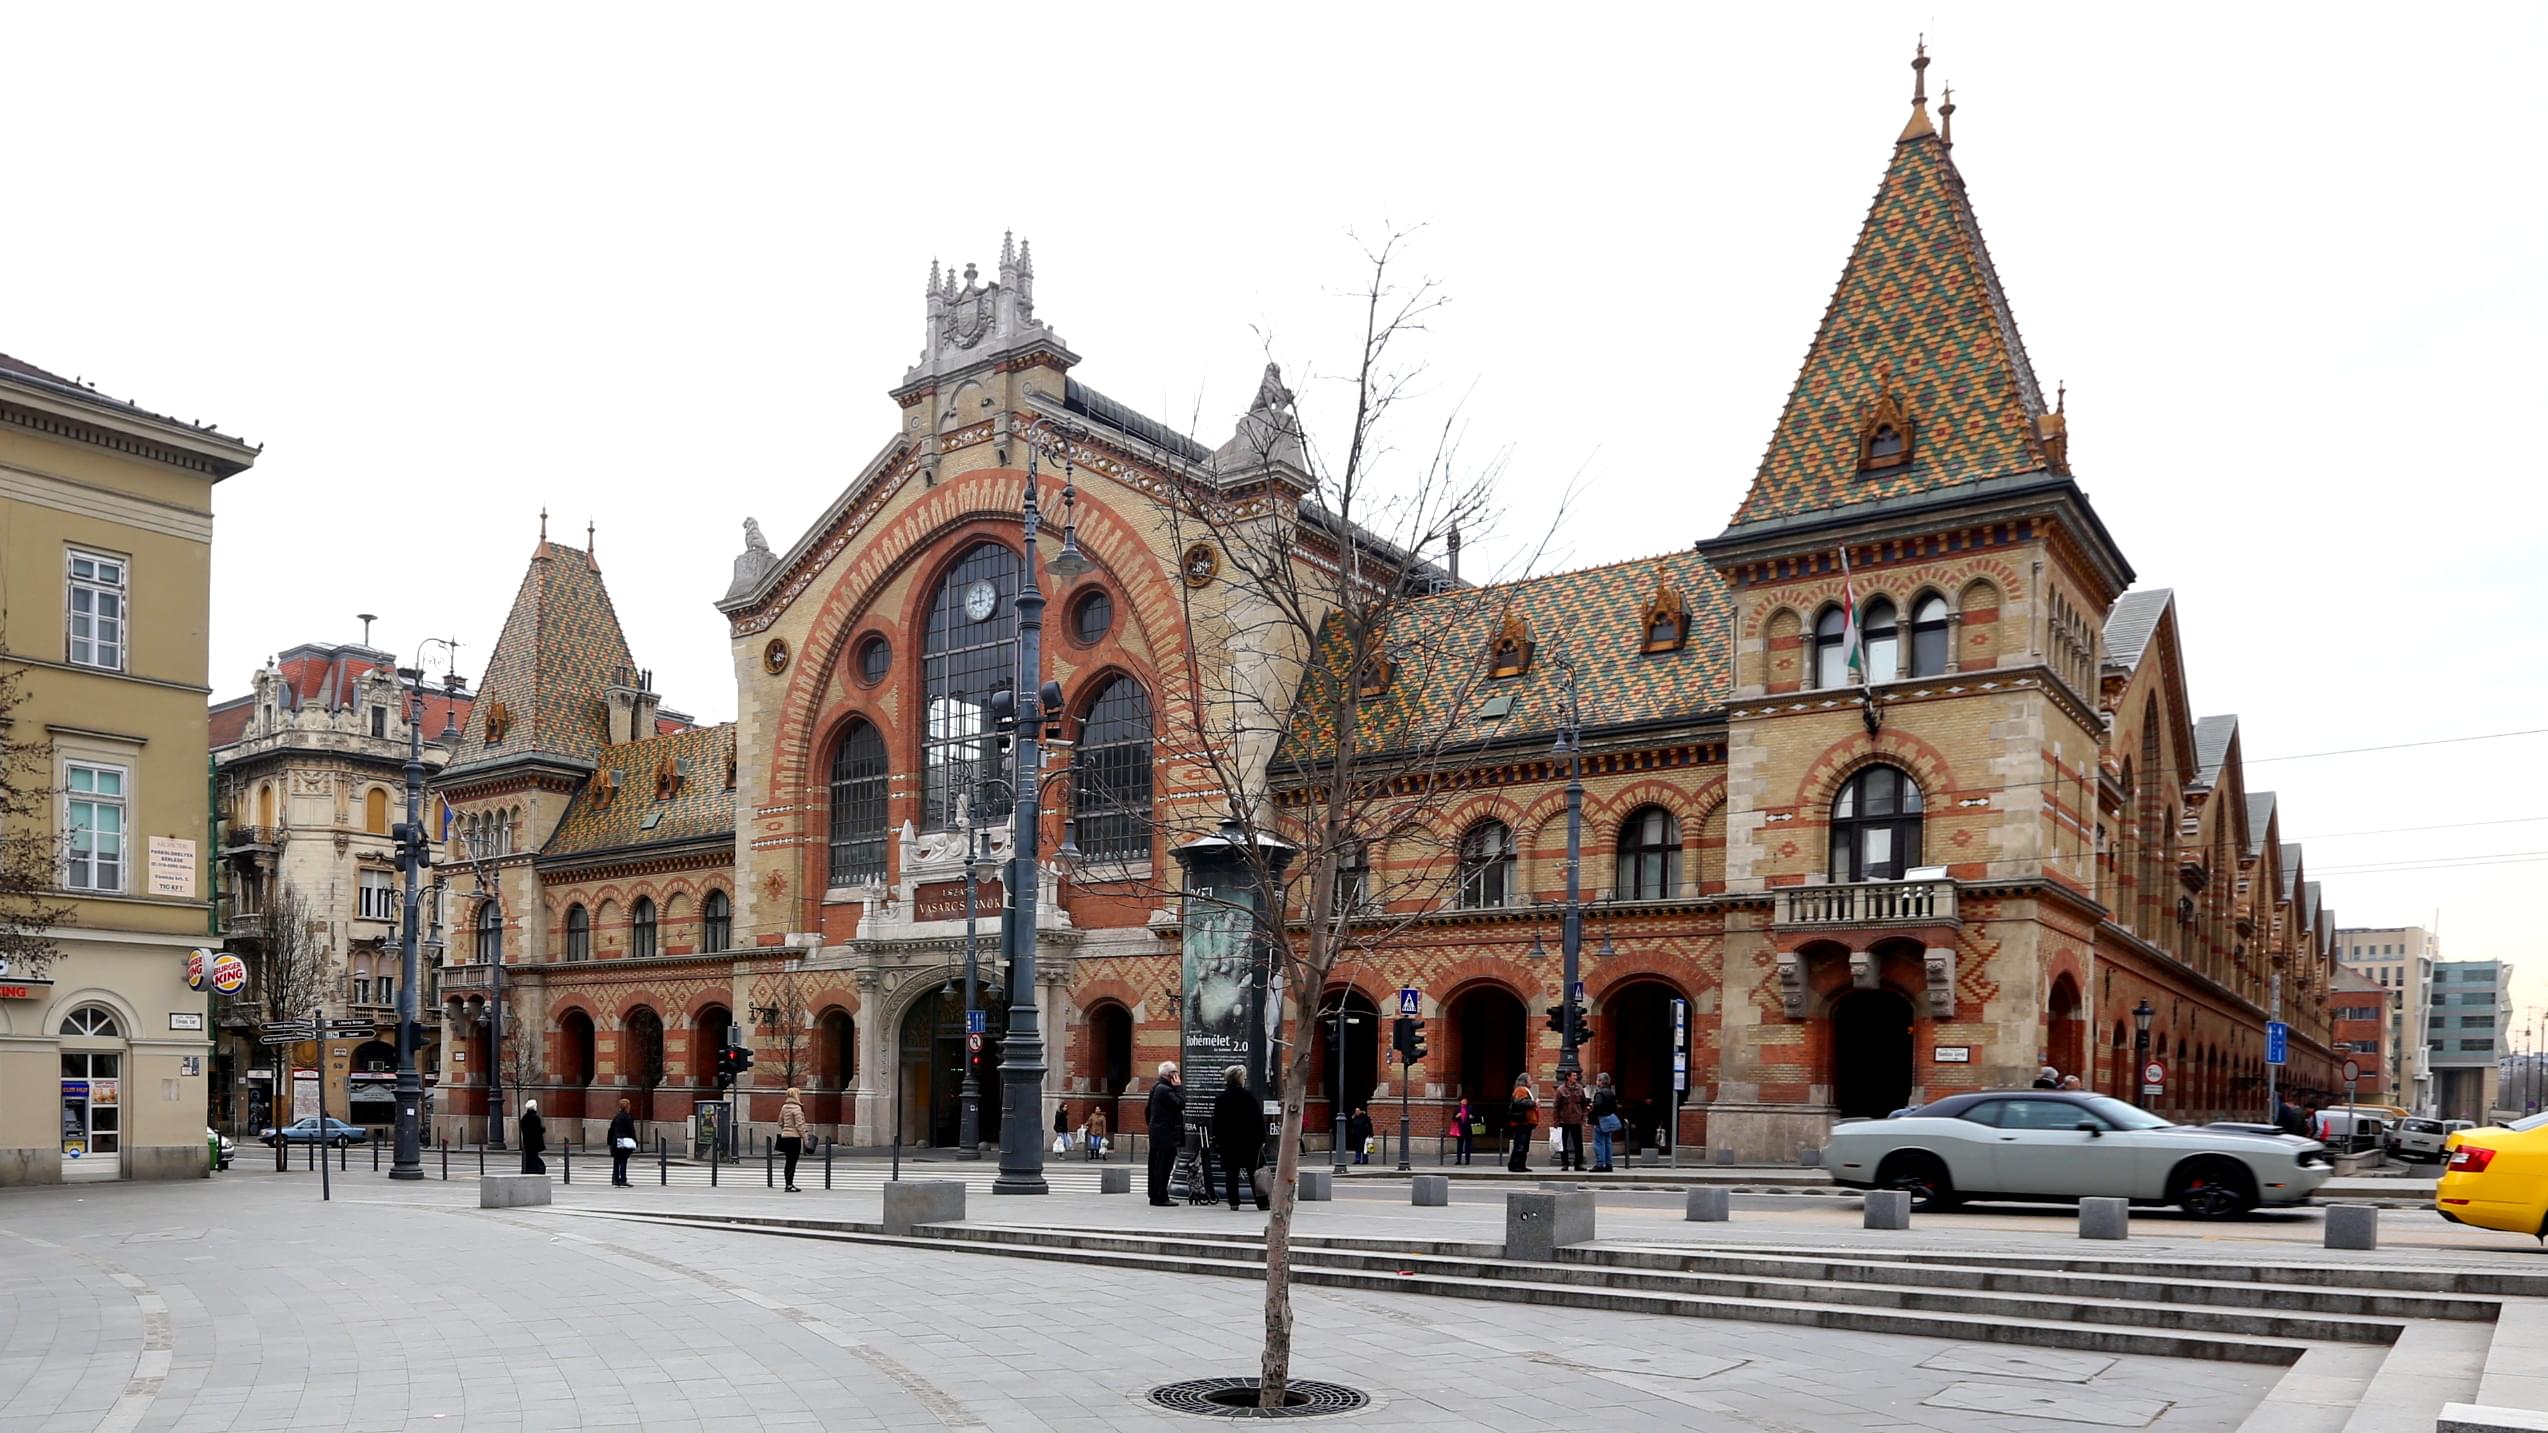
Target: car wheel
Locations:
point(1923, 1177)
point(2213, 1189)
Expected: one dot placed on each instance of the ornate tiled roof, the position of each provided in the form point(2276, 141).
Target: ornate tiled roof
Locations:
point(1919, 317)
point(1594, 615)
point(633, 799)
point(561, 647)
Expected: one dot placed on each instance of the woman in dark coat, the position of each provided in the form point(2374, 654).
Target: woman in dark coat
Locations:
point(623, 1143)
point(1238, 1136)
point(535, 1140)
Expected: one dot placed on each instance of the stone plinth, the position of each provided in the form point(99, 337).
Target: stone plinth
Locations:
point(910, 1203)
point(2353, 1226)
point(2105, 1219)
point(1432, 1191)
point(1888, 1209)
point(1536, 1225)
point(513, 1191)
point(1712, 1204)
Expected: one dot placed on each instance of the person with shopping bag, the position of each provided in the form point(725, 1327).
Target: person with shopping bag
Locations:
point(1520, 1120)
point(792, 1133)
point(1096, 1128)
point(623, 1143)
point(1605, 1121)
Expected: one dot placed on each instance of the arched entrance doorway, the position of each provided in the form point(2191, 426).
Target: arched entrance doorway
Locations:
point(577, 1063)
point(835, 1064)
point(371, 1078)
point(2066, 1030)
point(1487, 1050)
point(1345, 1084)
point(1870, 1054)
point(1109, 1057)
point(932, 1055)
point(1632, 1043)
point(92, 1094)
point(641, 1061)
point(713, 1028)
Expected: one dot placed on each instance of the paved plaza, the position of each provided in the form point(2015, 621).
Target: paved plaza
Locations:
point(244, 1303)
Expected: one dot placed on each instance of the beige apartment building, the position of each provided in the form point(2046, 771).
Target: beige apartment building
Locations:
point(2399, 959)
point(105, 581)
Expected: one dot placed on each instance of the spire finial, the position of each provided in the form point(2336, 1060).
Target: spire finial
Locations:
point(588, 537)
point(1946, 117)
point(544, 524)
point(2061, 395)
point(1919, 126)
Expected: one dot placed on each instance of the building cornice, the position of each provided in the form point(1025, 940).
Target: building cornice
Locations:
point(73, 415)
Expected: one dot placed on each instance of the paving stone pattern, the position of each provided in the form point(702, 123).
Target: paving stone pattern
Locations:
point(244, 1304)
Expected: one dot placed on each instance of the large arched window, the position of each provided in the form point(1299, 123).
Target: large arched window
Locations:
point(579, 932)
point(1649, 855)
point(1875, 826)
point(1928, 636)
point(1486, 866)
point(1110, 774)
point(1882, 633)
point(92, 1022)
point(858, 806)
point(490, 933)
point(641, 927)
point(376, 810)
point(968, 652)
point(1831, 660)
point(716, 922)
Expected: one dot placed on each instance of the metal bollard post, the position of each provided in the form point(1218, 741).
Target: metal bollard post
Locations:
point(482, 1159)
point(375, 1156)
point(566, 1161)
point(342, 1155)
point(446, 1159)
point(713, 1162)
point(828, 1146)
point(312, 1161)
point(663, 1166)
point(769, 1169)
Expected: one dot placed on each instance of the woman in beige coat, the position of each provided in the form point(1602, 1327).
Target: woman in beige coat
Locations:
point(792, 1133)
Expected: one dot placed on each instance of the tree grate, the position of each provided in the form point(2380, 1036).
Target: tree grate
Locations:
point(1236, 1398)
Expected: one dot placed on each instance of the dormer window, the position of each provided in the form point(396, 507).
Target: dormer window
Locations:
point(1509, 655)
point(1376, 671)
point(1885, 446)
point(1885, 436)
point(1666, 621)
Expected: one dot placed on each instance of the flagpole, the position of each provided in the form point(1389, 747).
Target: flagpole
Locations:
point(1853, 646)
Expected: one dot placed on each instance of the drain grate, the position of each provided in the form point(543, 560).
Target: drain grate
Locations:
point(1236, 1398)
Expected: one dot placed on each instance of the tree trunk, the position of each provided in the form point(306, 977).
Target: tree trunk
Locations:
point(1274, 1374)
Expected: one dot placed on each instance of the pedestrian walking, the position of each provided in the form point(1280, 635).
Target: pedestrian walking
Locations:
point(1463, 1130)
point(1573, 1107)
point(535, 1139)
point(1166, 1116)
point(1521, 1119)
point(1097, 1133)
point(792, 1133)
point(623, 1143)
point(2071, 1082)
point(1358, 1129)
point(1238, 1136)
point(2048, 1078)
point(1605, 1120)
point(1062, 1127)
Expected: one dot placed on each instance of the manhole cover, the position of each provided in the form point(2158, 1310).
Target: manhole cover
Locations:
point(1236, 1398)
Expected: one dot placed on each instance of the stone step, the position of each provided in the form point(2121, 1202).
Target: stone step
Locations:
point(2317, 1394)
point(1240, 1259)
point(2517, 1358)
point(2430, 1365)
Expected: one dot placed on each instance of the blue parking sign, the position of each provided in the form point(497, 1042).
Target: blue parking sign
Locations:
point(2277, 1043)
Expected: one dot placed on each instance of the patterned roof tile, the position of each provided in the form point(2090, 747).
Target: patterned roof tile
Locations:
point(561, 647)
point(632, 814)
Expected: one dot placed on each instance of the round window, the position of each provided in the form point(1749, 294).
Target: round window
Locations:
point(875, 658)
point(1092, 616)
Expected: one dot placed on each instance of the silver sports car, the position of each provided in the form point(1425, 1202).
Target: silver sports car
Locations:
point(2051, 1146)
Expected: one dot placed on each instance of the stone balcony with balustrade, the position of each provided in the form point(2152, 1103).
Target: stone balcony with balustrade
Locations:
point(1866, 905)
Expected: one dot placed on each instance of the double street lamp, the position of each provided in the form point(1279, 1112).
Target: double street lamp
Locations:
point(413, 856)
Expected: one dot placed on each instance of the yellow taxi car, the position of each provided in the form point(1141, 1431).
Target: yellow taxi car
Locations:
point(2496, 1177)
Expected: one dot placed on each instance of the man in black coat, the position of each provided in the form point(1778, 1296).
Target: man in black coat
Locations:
point(1166, 1118)
point(1238, 1136)
point(535, 1141)
point(623, 1143)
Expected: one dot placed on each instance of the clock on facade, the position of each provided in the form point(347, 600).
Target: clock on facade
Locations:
point(981, 600)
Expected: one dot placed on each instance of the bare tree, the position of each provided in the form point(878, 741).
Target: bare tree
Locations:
point(30, 850)
point(786, 1032)
point(1332, 682)
point(295, 970)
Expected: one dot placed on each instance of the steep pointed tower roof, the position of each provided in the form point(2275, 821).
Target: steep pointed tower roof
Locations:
point(1917, 381)
point(561, 647)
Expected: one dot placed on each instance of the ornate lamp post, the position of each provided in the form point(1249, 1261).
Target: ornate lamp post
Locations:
point(1570, 741)
point(409, 842)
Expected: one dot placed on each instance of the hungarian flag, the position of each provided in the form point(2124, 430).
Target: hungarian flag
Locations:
point(1850, 642)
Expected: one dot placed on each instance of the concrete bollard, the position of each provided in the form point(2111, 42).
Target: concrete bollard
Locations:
point(1115, 1179)
point(1432, 1191)
point(1536, 1226)
point(1710, 1205)
point(910, 1203)
point(1810, 1158)
point(1559, 1186)
point(1722, 1156)
point(1317, 1185)
point(2353, 1226)
point(2105, 1218)
point(512, 1191)
point(1888, 1209)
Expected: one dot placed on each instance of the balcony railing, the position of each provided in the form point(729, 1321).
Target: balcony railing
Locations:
point(1867, 903)
point(453, 980)
point(251, 838)
point(243, 919)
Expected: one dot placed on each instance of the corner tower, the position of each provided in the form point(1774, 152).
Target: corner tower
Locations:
point(1918, 586)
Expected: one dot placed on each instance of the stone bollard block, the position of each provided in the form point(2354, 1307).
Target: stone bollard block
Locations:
point(910, 1203)
point(1810, 1158)
point(2353, 1226)
point(1888, 1209)
point(1559, 1186)
point(1537, 1225)
point(1115, 1179)
point(1722, 1156)
point(1317, 1185)
point(2105, 1219)
point(1432, 1191)
point(512, 1191)
point(1710, 1205)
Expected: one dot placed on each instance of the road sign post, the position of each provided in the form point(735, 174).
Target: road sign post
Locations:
point(2154, 1080)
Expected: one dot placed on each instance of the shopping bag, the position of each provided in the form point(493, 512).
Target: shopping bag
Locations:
point(1061, 1144)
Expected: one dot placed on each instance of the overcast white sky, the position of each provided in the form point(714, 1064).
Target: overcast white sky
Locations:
point(657, 266)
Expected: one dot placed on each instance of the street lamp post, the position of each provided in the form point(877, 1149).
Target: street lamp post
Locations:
point(407, 1146)
point(2141, 1017)
point(1570, 740)
point(1022, 1046)
point(969, 1121)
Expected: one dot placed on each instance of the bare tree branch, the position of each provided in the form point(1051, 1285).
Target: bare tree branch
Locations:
point(30, 849)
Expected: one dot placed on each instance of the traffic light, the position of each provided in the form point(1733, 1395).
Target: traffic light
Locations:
point(1557, 1019)
point(1003, 708)
point(742, 1055)
point(1583, 1024)
point(1410, 1040)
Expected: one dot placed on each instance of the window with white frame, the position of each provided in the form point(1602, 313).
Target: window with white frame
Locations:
point(94, 806)
point(97, 610)
point(378, 898)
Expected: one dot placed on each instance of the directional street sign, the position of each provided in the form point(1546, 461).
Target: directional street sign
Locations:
point(285, 1037)
point(345, 1027)
point(1410, 1001)
point(2277, 1043)
point(975, 1022)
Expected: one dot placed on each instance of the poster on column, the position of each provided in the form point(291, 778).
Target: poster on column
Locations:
point(1219, 1016)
